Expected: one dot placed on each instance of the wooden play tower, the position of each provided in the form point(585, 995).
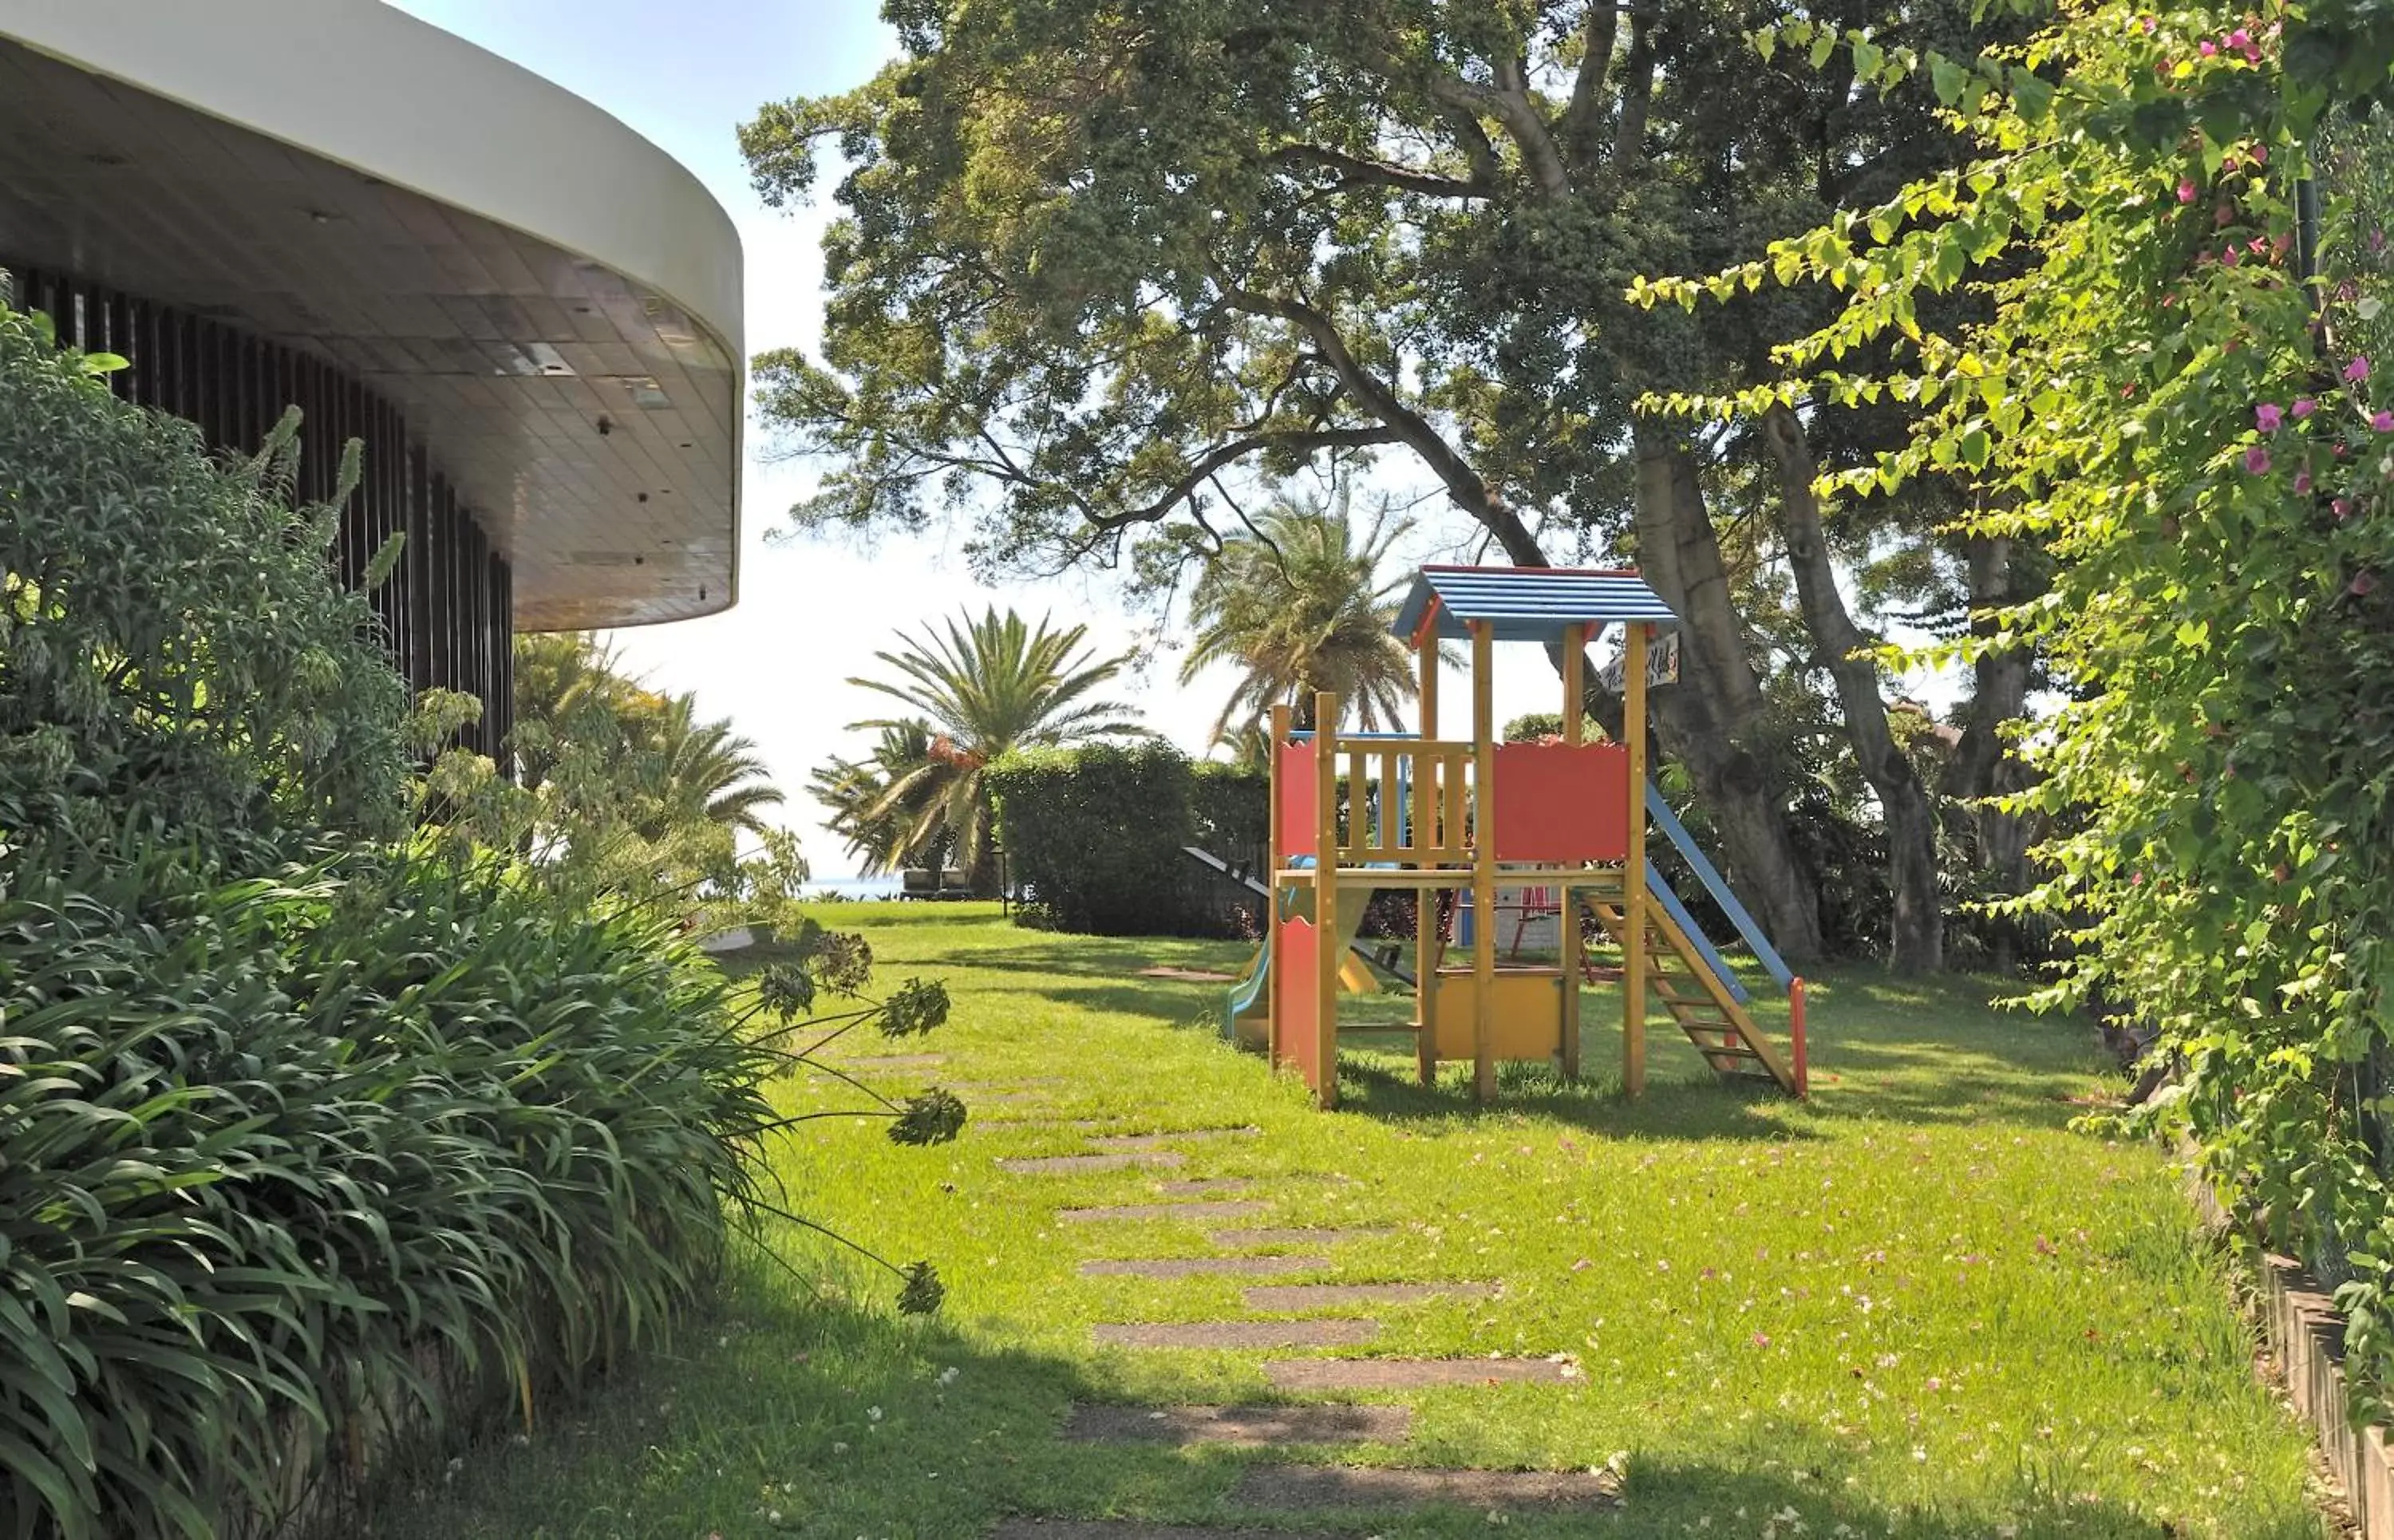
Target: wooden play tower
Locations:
point(1359, 812)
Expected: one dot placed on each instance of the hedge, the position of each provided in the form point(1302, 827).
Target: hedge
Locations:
point(1095, 838)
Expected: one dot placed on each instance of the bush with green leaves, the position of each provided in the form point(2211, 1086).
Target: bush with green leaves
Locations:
point(173, 659)
point(1096, 835)
point(304, 1163)
point(310, 1143)
point(2172, 386)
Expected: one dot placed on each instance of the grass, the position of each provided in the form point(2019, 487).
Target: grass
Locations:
point(1919, 1306)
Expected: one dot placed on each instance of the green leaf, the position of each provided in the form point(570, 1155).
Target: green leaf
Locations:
point(1824, 45)
point(1947, 79)
point(1868, 57)
point(2032, 96)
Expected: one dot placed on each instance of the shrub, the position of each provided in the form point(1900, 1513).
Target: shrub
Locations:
point(1095, 834)
point(173, 657)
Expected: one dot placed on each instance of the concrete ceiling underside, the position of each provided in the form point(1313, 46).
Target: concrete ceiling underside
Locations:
point(590, 421)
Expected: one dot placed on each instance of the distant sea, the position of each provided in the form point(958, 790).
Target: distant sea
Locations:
point(852, 889)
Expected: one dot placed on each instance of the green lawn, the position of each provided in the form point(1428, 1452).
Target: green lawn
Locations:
point(1919, 1306)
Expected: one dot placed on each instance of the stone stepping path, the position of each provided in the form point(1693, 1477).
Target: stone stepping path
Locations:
point(1202, 1266)
point(1240, 1426)
point(1288, 1237)
point(1310, 1296)
point(1328, 1486)
point(1058, 1166)
point(1408, 1373)
point(1189, 974)
point(1287, 1489)
point(1236, 1208)
point(1158, 1141)
point(1250, 1334)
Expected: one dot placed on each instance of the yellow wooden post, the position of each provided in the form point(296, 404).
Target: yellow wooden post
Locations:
point(1275, 856)
point(1425, 833)
point(1328, 953)
point(1483, 861)
point(1633, 879)
point(1575, 708)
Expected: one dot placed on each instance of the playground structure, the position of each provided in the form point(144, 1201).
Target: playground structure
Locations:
point(1353, 813)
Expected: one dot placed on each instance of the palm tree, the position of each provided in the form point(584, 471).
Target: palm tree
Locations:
point(857, 794)
point(981, 690)
point(701, 771)
point(1298, 605)
point(564, 679)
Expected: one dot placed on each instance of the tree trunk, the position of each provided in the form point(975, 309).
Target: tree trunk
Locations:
point(1917, 944)
point(1984, 764)
point(1701, 720)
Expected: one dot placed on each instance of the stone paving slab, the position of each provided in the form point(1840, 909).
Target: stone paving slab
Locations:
point(853, 1063)
point(1241, 1427)
point(1236, 1334)
point(1407, 1374)
point(1309, 1296)
point(1200, 1267)
point(1049, 1165)
point(1159, 1140)
point(1129, 1529)
point(1290, 1236)
point(1303, 1487)
point(1207, 1184)
point(1234, 1208)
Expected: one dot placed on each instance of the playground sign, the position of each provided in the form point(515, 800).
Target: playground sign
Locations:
point(1661, 664)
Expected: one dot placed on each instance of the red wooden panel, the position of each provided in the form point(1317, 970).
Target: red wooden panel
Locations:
point(1296, 997)
point(1558, 804)
point(1292, 778)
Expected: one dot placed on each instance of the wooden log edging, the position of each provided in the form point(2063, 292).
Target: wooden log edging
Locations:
point(2305, 1332)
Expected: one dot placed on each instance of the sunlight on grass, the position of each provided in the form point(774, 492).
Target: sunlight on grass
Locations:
point(1918, 1306)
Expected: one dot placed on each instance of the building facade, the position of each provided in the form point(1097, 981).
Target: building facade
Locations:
point(527, 315)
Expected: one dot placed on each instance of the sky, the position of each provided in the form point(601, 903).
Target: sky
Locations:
point(813, 611)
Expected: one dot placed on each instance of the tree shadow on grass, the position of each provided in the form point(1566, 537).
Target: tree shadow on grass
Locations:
point(783, 1413)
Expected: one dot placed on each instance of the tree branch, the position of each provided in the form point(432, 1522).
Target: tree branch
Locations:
point(1523, 124)
point(1637, 94)
point(1464, 486)
point(1588, 89)
point(1356, 171)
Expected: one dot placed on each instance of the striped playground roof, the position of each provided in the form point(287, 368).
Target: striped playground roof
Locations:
point(1524, 603)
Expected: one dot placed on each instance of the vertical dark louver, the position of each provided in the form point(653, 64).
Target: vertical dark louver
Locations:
point(447, 611)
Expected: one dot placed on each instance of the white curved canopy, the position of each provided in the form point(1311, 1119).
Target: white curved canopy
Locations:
point(508, 264)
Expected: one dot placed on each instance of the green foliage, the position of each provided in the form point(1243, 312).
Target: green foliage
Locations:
point(985, 689)
point(2162, 398)
point(1298, 605)
point(629, 792)
point(309, 1163)
point(173, 660)
point(1230, 807)
point(1094, 834)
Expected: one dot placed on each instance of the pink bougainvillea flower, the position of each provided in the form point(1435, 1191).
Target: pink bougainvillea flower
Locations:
point(2362, 582)
point(2303, 481)
point(2186, 190)
point(2260, 152)
point(2343, 508)
point(2231, 257)
point(2304, 407)
point(1761, 1339)
point(2136, 879)
point(2207, 48)
point(2357, 370)
point(2238, 38)
point(2382, 421)
point(2224, 216)
point(2269, 417)
point(2256, 460)
point(2148, 23)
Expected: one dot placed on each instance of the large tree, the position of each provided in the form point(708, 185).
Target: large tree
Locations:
point(1098, 256)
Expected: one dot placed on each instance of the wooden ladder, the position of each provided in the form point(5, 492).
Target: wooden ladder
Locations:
point(1677, 975)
